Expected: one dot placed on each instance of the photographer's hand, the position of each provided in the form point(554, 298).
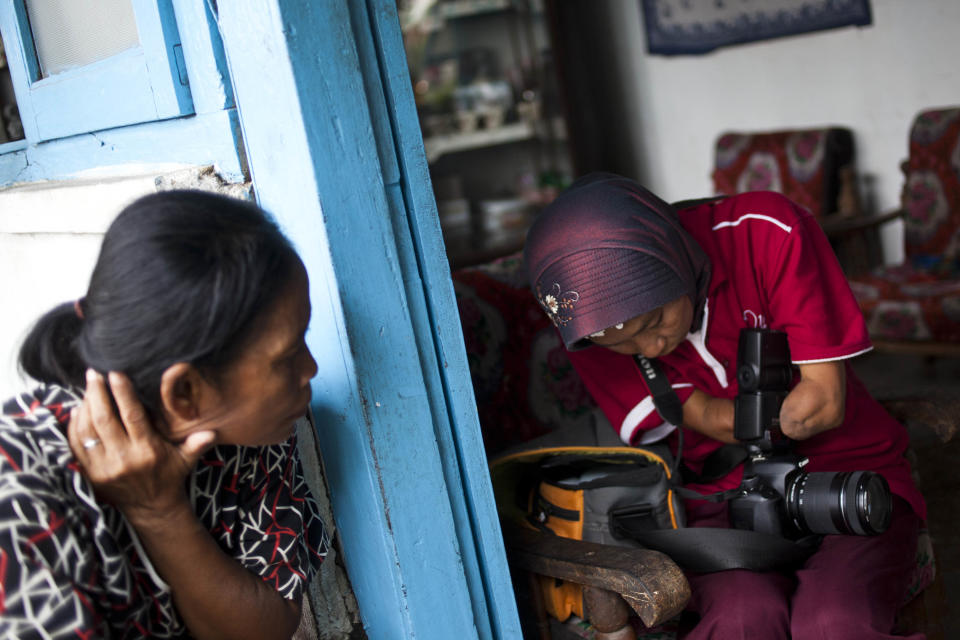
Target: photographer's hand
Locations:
point(817, 403)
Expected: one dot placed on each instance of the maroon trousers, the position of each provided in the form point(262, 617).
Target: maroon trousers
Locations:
point(850, 588)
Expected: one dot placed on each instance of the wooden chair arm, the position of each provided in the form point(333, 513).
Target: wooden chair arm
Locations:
point(918, 347)
point(940, 414)
point(836, 226)
point(650, 582)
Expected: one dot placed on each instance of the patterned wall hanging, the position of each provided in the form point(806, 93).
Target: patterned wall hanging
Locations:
point(678, 27)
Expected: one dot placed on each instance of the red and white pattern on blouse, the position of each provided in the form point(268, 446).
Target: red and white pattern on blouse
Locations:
point(73, 568)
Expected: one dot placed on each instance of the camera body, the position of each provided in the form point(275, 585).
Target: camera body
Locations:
point(777, 496)
point(764, 375)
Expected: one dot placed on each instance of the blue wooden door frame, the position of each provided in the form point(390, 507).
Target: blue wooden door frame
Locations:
point(334, 148)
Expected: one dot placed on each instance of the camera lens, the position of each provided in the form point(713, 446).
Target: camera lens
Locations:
point(850, 502)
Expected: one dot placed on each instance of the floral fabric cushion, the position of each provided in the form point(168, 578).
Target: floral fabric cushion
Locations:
point(524, 383)
point(920, 299)
point(801, 164)
point(904, 302)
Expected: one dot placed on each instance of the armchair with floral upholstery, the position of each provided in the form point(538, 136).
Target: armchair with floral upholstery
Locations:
point(809, 166)
point(816, 168)
point(915, 306)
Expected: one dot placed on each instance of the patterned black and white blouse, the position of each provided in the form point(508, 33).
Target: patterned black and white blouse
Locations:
point(73, 568)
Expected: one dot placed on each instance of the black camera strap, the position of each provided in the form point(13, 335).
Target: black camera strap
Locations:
point(719, 463)
point(665, 399)
point(709, 549)
point(667, 403)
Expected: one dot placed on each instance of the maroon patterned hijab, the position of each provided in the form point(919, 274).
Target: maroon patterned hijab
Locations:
point(607, 250)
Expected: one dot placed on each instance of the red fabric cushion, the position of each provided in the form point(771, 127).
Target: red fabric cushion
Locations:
point(907, 303)
point(524, 383)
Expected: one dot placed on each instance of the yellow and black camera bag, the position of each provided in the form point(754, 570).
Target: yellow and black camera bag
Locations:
point(597, 494)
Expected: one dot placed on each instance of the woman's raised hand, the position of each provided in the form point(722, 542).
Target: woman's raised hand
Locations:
point(130, 464)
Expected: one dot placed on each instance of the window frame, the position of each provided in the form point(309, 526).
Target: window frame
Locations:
point(143, 84)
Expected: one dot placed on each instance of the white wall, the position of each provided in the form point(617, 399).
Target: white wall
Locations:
point(872, 80)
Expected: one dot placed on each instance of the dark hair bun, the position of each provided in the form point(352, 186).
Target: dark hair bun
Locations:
point(182, 276)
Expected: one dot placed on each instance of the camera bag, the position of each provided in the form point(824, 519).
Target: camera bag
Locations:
point(598, 494)
point(631, 496)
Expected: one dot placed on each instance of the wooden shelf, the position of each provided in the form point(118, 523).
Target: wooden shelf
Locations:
point(837, 226)
point(438, 146)
point(464, 8)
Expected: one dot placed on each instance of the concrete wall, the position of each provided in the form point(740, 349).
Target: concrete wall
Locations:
point(872, 80)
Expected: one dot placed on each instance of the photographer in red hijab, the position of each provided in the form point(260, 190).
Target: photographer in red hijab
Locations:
point(622, 273)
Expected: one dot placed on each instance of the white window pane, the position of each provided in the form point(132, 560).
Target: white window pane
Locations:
point(74, 33)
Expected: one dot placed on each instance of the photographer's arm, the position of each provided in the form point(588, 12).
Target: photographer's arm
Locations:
point(713, 417)
point(817, 403)
point(143, 475)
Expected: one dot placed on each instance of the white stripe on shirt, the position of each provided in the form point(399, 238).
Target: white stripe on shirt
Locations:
point(699, 342)
point(836, 358)
point(753, 216)
point(639, 413)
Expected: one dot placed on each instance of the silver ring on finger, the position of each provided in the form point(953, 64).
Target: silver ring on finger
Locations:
point(90, 443)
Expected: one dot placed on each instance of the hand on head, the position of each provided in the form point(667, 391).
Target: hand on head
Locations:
point(128, 462)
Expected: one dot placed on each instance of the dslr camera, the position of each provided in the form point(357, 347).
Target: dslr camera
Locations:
point(777, 496)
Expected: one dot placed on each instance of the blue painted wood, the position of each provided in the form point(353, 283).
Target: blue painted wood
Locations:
point(138, 85)
point(103, 95)
point(16, 145)
point(312, 148)
point(26, 38)
point(459, 435)
point(370, 56)
point(11, 164)
point(203, 56)
point(210, 139)
point(159, 37)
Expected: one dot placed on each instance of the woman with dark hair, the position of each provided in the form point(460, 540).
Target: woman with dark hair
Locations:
point(150, 485)
point(621, 273)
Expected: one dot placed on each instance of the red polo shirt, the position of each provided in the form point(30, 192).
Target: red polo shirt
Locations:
point(772, 267)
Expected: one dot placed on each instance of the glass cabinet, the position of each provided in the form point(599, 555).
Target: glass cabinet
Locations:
point(485, 85)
